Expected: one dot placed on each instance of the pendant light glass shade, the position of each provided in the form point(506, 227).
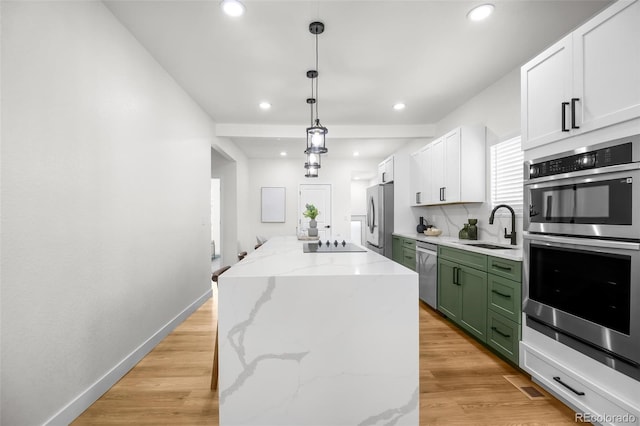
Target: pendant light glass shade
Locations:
point(316, 139)
point(311, 173)
point(313, 161)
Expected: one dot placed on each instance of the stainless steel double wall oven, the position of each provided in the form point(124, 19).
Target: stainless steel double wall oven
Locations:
point(582, 251)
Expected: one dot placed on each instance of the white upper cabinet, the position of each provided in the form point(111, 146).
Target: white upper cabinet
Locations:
point(606, 56)
point(420, 177)
point(545, 86)
point(451, 169)
point(588, 80)
point(385, 171)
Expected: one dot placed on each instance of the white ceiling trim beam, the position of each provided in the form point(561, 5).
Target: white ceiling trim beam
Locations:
point(335, 132)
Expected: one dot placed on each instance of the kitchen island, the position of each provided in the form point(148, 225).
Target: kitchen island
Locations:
point(318, 339)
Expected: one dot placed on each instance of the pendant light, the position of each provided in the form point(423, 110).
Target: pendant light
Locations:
point(316, 132)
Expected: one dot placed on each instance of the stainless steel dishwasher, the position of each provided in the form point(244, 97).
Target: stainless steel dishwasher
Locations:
point(427, 267)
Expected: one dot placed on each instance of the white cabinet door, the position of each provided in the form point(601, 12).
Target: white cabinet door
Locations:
point(545, 91)
point(437, 171)
point(416, 194)
point(426, 161)
point(385, 171)
point(606, 58)
point(452, 155)
point(388, 169)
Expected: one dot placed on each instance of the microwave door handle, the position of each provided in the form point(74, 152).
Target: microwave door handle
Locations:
point(588, 242)
point(548, 209)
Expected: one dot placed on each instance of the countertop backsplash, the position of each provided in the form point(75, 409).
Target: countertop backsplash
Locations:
point(451, 218)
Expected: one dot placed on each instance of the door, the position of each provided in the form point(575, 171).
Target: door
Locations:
point(546, 91)
point(416, 195)
point(607, 67)
point(320, 196)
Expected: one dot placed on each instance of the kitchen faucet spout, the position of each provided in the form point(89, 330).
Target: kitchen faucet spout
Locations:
point(512, 235)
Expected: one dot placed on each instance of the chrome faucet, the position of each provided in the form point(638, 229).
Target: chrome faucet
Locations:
point(512, 235)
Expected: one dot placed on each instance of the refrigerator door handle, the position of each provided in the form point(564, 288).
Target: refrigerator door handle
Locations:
point(372, 210)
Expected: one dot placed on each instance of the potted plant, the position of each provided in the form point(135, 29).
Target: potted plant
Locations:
point(312, 212)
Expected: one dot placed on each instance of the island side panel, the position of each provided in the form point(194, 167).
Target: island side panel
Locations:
point(319, 350)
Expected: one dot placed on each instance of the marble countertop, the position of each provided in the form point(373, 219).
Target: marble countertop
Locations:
point(515, 253)
point(283, 256)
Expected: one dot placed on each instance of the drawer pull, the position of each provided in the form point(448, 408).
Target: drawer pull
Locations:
point(503, 335)
point(508, 296)
point(557, 379)
point(504, 268)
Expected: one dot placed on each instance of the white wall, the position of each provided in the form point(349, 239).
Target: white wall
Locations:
point(289, 173)
point(498, 108)
point(359, 197)
point(105, 205)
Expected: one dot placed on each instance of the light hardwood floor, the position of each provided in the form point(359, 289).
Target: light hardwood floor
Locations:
point(461, 382)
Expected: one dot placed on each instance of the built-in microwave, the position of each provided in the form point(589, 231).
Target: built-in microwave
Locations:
point(591, 192)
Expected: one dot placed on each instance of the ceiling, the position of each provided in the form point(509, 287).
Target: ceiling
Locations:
point(371, 55)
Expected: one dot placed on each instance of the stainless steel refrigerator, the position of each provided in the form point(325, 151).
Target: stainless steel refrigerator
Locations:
point(380, 218)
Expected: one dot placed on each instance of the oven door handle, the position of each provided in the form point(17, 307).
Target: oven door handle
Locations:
point(602, 171)
point(591, 242)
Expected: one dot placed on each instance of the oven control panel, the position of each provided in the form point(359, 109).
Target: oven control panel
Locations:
point(619, 154)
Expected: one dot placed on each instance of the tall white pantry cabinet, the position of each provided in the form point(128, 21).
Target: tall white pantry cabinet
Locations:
point(585, 87)
point(588, 80)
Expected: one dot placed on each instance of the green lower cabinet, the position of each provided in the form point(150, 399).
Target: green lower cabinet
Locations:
point(503, 335)
point(482, 295)
point(396, 246)
point(473, 315)
point(448, 290)
point(404, 251)
point(409, 258)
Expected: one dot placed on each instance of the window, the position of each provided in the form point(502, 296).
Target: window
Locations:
point(507, 174)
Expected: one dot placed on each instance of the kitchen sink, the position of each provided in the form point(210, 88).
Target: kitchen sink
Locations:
point(490, 246)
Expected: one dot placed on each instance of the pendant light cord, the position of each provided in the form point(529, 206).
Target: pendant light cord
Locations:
point(317, 78)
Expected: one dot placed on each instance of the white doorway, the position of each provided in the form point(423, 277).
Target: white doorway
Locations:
point(320, 196)
point(216, 241)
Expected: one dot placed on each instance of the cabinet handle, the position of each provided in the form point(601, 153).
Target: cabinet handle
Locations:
point(557, 379)
point(508, 296)
point(444, 193)
point(456, 273)
point(504, 268)
point(418, 194)
point(383, 173)
point(500, 332)
point(564, 117)
point(573, 113)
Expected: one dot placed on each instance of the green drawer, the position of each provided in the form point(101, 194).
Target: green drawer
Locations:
point(510, 269)
point(464, 257)
point(504, 297)
point(503, 335)
point(407, 242)
point(409, 258)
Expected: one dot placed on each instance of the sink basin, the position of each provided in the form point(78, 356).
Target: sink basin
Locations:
point(490, 246)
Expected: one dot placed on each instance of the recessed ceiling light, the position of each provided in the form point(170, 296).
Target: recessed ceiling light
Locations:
point(356, 153)
point(232, 7)
point(481, 12)
point(283, 153)
point(356, 178)
point(399, 106)
point(265, 105)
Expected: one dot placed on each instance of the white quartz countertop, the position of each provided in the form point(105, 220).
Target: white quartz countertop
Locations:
point(514, 253)
point(283, 256)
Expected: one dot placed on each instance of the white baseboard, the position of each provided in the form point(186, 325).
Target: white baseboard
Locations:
point(76, 407)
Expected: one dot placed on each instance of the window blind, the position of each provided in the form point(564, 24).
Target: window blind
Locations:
point(507, 174)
